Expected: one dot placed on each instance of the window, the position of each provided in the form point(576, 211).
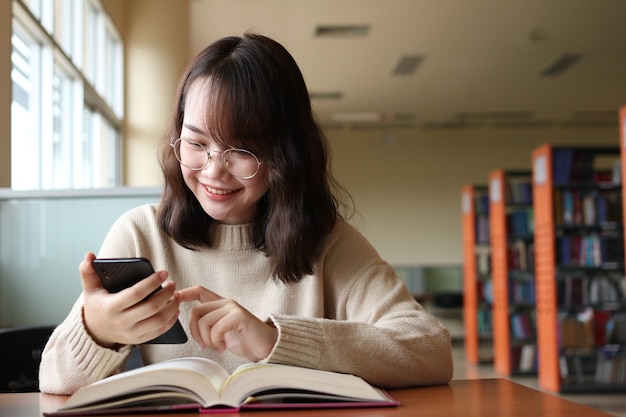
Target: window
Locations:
point(25, 111)
point(67, 104)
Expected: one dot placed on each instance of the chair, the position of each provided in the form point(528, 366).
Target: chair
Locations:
point(20, 353)
point(134, 360)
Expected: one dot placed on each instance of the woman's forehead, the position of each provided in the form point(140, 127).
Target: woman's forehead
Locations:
point(196, 109)
point(223, 115)
point(199, 105)
point(197, 95)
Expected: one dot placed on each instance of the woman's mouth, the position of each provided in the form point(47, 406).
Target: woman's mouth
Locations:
point(217, 191)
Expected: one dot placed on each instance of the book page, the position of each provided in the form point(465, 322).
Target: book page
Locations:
point(249, 379)
point(200, 376)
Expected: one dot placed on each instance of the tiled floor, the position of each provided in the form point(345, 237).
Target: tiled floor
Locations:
point(613, 404)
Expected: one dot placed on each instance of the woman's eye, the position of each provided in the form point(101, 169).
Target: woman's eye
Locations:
point(195, 145)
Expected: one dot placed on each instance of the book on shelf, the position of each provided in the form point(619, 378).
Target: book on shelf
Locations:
point(528, 358)
point(485, 320)
point(563, 160)
point(576, 291)
point(609, 206)
point(521, 255)
point(522, 291)
point(487, 292)
point(520, 222)
point(616, 329)
point(600, 320)
point(595, 207)
point(200, 384)
point(577, 365)
point(483, 259)
point(523, 325)
point(481, 204)
point(605, 289)
point(577, 330)
point(611, 365)
point(524, 358)
point(482, 229)
point(580, 166)
point(518, 191)
point(517, 255)
point(590, 251)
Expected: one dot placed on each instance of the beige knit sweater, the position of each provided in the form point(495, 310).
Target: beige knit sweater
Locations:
point(354, 315)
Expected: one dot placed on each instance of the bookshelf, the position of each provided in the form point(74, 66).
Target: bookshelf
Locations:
point(512, 265)
point(476, 274)
point(579, 268)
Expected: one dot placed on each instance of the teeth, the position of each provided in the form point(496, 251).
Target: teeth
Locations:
point(218, 192)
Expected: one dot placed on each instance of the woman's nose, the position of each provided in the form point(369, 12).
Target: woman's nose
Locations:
point(214, 166)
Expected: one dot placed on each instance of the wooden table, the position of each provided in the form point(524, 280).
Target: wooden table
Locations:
point(473, 397)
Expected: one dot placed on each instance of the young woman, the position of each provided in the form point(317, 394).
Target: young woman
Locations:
point(262, 264)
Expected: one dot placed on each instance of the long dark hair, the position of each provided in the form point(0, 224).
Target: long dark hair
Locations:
point(258, 100)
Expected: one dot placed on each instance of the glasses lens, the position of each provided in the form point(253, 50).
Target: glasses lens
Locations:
point(191, 154)
point(241, 163)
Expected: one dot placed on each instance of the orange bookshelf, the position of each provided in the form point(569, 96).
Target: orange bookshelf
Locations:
point(579, 268)
point(476, 274)
point(512, 265)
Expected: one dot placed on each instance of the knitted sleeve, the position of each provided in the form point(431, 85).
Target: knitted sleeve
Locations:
point(373, 327)
point(72, 359)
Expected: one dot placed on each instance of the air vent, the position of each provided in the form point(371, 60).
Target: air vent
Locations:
point(495, 115)
point(590, 123)
point(327, 126)
point(408, 65)
point(451, 124)
point(606, 115)
point(325, 95)
point(523, 123)
point(560, 64)
point(361, 127)
point(341, 31)
point(592, 118)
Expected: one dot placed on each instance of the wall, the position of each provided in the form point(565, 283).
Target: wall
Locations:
point(408, 190)
point(156, 33)
point(44, 235)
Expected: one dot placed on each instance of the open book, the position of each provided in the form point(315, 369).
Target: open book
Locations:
point(200, 384)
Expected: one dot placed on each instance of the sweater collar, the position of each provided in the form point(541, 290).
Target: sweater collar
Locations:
point(231, 236)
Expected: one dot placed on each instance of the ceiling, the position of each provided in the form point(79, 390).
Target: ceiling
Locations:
point(479, 62)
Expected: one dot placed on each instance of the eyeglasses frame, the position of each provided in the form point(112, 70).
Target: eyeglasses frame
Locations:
point(223, 159)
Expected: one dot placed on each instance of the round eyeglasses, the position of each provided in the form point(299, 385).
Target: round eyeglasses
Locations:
point(239, 163)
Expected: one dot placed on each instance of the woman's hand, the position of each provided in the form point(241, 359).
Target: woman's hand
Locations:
point(222, 324)
point(125, 317)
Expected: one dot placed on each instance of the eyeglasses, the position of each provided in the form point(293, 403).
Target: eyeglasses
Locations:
point(239, 163)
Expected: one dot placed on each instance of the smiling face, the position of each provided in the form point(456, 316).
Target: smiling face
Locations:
point(224, 197)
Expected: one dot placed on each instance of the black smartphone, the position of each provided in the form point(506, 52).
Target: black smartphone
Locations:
point(119, 273)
